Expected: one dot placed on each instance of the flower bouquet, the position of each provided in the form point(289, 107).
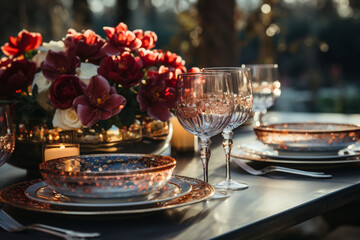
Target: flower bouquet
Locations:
point(87, 82)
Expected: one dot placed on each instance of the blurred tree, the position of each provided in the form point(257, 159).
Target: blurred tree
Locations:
point(217, 44)
point(81, 15)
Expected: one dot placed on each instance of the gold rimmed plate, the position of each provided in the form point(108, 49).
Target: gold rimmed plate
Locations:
point(41, 192)
point(305, 160)
point(15, 196)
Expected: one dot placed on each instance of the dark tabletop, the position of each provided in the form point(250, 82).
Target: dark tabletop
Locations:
point(271, 203)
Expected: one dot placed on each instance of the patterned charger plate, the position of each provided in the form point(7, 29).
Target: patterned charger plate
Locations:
point(15, 196)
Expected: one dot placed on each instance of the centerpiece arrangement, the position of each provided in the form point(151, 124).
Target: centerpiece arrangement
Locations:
point(87, 83)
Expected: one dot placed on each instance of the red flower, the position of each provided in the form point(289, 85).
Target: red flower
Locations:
point(124, 69)
point(15, 75)
point(157, 95)
point(99, 102)
point(120, 39)
point(64, 90)
point(87, 45)
point(194, 70)
point(59, 63)
point(148, 38)
point(25, 41)
point(171, 60)
point(149, 57)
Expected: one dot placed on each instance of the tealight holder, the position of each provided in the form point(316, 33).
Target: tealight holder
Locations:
point(59, 150)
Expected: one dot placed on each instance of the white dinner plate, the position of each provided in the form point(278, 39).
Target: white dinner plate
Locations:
point(256, 152)
point(260, 149)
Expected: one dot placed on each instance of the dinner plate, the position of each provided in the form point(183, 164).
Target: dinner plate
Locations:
point(257, 148)
point(15, 196)
point(41, 192)
point(238, 153)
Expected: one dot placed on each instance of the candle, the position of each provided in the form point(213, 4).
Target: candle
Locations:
point(181, 140)
point(52, 151)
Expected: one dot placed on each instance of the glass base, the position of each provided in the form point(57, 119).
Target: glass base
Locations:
point(231, 185)
point(220, 194)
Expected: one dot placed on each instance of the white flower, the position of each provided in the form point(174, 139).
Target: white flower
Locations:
point(56, 46)
point(86, 71)
point(43, 86)
point(66, 119)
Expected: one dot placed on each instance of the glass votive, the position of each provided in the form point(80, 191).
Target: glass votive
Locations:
point(58, 150)
point(182, 140)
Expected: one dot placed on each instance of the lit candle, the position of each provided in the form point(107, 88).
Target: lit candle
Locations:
point(181, 139)
point(52, 151)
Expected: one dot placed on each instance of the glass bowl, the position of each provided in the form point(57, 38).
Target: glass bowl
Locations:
point(308, 137)
point(107, 175)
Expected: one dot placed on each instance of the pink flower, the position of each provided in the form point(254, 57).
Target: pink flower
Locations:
point(124, 69)
point(157, 95)
point(87, 45)
point(25, 41)
point(99, 102)
point(120, 39)
point(59, 63)
point(148, 38)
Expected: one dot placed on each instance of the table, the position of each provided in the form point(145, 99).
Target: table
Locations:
point(270, 204)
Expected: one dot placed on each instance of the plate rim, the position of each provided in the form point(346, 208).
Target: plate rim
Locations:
point(174, 181)
point(298, 157)
point(45, 208)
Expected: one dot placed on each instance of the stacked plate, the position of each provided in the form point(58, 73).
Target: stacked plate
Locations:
point(303, 143)
point(107, 184)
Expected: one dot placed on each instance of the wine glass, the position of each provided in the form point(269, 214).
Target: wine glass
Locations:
point(204, 106)
point(266, 88)
point(7, 134)
point(243, 99)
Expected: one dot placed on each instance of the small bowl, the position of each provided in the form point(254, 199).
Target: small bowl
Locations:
point(308, 137)
point(107, 175)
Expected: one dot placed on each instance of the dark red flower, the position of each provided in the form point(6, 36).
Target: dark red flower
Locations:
point(148, 38)
point(171, 60)
point(59, 63)
point(15, 75)
point(157, 94)
point(64, 90)
point(120, 39)
point(87, 45)
point(25, 41)
point(149, 57)
point(125, 69)
point(99, 102)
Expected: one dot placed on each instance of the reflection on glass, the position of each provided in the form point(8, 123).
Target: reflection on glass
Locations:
point(242, 93)
point(204, 107)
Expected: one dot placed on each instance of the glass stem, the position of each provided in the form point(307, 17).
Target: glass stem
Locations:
point(205, 155)
point(227, 145)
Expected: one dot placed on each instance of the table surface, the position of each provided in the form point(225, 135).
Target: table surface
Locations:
point(271, 203)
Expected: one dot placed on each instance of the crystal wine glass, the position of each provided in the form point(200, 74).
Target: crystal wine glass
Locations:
point(7, 134)
point(204, 106)
point(266, 88)
point(243, 99)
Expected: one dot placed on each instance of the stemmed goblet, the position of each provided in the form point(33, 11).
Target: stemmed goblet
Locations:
point(204, 106)
point(266, 88)
point(243, 99)
point(7, 134)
